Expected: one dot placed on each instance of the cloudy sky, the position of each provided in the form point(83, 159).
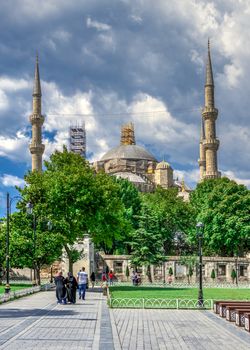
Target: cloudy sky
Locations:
point(109, 62)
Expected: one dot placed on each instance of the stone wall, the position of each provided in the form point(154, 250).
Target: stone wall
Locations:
point(222, 266)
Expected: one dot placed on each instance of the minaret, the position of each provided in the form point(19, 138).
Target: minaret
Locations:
point(37, 119)
point(209, 115)
point(202, 159)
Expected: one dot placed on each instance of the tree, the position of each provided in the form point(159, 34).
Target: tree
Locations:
point(76, 200)
point(131, 200)
point(233, 275)
point(2, 249)
point(127, 272)
point(175, 218)
point(224, 208)
point(29, 249)
point(170, 271)
point(147, 247)
point(190, 262)
point(213, 275)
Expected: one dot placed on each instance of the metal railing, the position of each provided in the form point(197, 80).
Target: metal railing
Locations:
point(157, 303)
point(24, 291)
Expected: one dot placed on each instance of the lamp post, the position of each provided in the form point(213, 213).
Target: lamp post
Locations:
point(236, 269)
point(8, 213)
point(29, 208)
point(7, 286)
point(199, 232)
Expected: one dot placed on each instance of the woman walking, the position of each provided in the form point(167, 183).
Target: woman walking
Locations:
point(72, 285)
point(60, 288)
point(92, 278)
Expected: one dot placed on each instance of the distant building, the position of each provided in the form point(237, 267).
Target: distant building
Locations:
point(77, 139)
point(134, 163)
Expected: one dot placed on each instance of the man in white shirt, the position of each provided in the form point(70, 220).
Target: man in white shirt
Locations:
point(82, 279)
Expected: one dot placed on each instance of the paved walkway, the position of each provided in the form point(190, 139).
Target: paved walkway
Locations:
point(37, 322)
point(176, 329)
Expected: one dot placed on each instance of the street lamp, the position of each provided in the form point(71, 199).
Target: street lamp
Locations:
point(236, 268)
point(29, 209)
point(8, 207)
point(199, 232)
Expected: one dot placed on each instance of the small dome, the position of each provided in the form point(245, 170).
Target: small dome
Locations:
point(163, 165)
point(130, 177)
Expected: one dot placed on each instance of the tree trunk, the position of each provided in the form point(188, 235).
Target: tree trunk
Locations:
point(38, 276)
point(149, 274)
point(69, 257)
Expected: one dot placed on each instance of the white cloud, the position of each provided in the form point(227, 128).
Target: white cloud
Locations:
point(15, 148)
point(231, 175)
point(190, 176)
point(137, 19)
point(11, 180)
point(97, 25)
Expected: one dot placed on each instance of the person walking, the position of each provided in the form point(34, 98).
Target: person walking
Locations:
point(104, 279)
point(72, 285)
point(60, 288)
point(92, 278)
point(82, 279)
point(111, 277)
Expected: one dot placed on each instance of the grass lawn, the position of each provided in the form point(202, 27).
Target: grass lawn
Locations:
point(178, 293)
point(15, 287)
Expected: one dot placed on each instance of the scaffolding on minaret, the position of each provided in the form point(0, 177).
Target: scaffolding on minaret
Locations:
point(77, 139)
point(128, 134)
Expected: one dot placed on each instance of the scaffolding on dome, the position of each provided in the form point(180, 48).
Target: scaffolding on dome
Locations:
point(128, 134)
point(77, 136)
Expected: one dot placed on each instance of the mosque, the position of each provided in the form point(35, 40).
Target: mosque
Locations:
point(132, 162)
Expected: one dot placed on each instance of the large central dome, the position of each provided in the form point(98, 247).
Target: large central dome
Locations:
point(128, 152)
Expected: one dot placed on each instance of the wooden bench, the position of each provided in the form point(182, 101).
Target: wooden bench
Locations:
point(240, 316)
point(247, 321)
point(223, 305)
point(216, 306)
point(231, 311)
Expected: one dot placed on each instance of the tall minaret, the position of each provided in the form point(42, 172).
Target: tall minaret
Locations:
point(37, 119)
point(209, 115)
point(202, 159)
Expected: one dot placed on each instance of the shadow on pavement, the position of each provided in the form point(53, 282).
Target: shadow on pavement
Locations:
point(17, 313)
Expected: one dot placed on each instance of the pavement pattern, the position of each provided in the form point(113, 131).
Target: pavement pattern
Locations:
point(37, 322)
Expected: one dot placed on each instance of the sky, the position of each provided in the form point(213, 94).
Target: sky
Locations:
point(108, 62)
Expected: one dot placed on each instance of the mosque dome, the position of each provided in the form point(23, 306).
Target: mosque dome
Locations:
point(128, 152)
point(163, 165)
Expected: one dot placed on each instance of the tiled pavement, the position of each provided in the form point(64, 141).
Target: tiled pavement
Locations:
point(36, 322)
point(176, 329)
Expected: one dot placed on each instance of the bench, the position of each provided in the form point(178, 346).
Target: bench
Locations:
point(223, 305)
point(240, 316)
point(216, 306)
point(247, 321)
point(231, 311)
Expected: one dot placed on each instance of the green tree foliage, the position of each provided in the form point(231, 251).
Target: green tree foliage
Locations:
point(174, 219)
point(29, 248)
point(127, 272)
point(213, 274)
point(77, 201)
point(2, 249)
point(170, 271)
point(233, 275)
point(131, 200)
point(224, 208)
point(147, 246)
point(190, 262)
